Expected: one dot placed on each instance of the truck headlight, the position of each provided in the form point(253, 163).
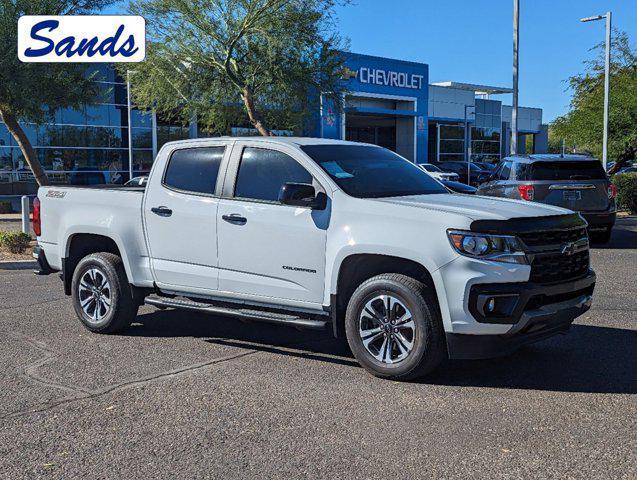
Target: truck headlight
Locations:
point(497, 248)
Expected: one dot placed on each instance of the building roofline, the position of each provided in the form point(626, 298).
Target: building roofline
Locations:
point(474, 87)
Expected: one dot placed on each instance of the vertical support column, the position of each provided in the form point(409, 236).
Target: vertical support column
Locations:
point(154, 133)
point(26, 226)
point(193, 130)
point(130, 130)
point(606, 90)
point(516, 41)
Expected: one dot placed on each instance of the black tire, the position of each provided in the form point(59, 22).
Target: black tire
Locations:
point(428, 348)
point(122, 309)
point(602, 236)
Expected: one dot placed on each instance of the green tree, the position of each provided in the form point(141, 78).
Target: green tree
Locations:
point(222, 60)
point(32, 92)
point(583, 124)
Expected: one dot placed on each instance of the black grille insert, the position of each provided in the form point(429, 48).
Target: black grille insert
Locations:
point(553, 237)
point(558, 267)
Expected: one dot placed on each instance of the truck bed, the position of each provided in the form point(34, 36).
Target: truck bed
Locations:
point(111, 211)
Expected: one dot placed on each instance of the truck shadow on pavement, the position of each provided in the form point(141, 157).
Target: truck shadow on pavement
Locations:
point(589, 359)
point(624, 236)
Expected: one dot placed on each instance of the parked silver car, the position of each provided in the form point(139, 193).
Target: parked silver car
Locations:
point(576, 182)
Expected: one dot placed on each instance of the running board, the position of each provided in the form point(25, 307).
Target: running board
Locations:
point(250, 314)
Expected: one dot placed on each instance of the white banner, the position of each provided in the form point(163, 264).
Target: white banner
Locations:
point(82, 38)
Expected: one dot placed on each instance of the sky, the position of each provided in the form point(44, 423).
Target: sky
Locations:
point(471, 40)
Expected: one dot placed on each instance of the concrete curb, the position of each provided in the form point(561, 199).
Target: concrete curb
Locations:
point(18, 265)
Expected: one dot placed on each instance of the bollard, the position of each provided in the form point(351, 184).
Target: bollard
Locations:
point(26, 221)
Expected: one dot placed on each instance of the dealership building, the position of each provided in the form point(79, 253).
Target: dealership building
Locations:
point(388, 102)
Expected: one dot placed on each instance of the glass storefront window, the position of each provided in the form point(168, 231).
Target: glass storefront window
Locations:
point(70, 116)
point(142, 161)
point(142, 138)
point(169, 133)
point(6, 159)
point(141, 119)
point(485, 144)
point(6, 139)
point(97, 114)
point(449, 132)
point(451, 146)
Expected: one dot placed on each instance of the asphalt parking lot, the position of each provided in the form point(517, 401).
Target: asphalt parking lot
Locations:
point(182, 395)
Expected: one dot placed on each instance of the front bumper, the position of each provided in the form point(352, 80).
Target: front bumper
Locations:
point(541, 312)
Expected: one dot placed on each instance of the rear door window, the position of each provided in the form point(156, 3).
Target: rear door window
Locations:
point(568, 170)
point(194, 169)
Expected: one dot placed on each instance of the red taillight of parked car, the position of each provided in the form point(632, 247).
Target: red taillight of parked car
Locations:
point(527, 192)
point(37, 228)
point(612, 191)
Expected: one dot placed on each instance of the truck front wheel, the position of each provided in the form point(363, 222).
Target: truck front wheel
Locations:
point(393, 327)
point(101, 294)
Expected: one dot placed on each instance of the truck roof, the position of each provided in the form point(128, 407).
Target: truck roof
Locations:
point(274, 139)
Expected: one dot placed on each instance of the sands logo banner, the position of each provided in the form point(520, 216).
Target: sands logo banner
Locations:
point(82, 38)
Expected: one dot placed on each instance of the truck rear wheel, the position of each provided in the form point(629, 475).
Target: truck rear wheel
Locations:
point(102, 296)
point(393, 327)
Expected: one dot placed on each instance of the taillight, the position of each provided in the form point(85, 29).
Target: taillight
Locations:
point(527, 192)
point(37, 227)
point(612, 191)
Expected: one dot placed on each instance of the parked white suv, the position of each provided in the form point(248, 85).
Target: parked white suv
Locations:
point(320, 234)
point(438, 174)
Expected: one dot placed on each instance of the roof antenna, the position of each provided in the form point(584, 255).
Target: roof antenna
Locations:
point(563, 148)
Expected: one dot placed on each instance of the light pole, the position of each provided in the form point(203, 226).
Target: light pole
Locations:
point(606, 80)
point(516, 47)
point(130, 130)
point(467, 143)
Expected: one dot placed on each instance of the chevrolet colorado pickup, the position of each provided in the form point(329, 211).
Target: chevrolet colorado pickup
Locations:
point(317, 233)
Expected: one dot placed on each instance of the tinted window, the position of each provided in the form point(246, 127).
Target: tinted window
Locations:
point(263, 172)
point(505, 172)
point(194, 169)
point(568, 170)
point(371, 172)
point(519, 170)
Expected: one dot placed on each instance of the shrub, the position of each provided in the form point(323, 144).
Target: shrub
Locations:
point(626, 184)
point(5, 207)
point(16, 242)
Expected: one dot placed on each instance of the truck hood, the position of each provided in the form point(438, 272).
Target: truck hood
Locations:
point(477, 207)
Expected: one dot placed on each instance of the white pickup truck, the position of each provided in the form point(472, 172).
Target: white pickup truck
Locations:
point(318, 234)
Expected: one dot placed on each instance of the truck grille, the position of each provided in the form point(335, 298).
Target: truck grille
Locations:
point(557, 267)
point(553, 237)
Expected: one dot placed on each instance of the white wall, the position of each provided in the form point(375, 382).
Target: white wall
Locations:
point(405, 137)
point(448, 102)
point(529, 119)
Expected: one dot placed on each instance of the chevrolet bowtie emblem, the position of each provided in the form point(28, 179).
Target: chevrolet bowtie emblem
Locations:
point(348, 73)
point(568, 248)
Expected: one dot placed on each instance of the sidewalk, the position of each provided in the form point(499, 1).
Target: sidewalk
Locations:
point(11, 217)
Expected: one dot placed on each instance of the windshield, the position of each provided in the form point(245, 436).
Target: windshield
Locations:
point(568, 170)
point(365, 171)
point(430, 168)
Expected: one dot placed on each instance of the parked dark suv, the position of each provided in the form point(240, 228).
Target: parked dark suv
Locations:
point(575, 182)
point(478, 174)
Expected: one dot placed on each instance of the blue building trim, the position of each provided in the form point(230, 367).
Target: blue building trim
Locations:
point(371, 77)
point(381, 111)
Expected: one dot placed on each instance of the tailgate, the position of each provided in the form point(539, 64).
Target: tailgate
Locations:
point(580, 196)
point(579, 185)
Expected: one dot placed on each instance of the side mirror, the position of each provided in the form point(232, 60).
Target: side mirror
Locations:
point(302, 195)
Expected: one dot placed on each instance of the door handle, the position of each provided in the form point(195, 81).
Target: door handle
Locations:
point(162, 211)
point(235, 219)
